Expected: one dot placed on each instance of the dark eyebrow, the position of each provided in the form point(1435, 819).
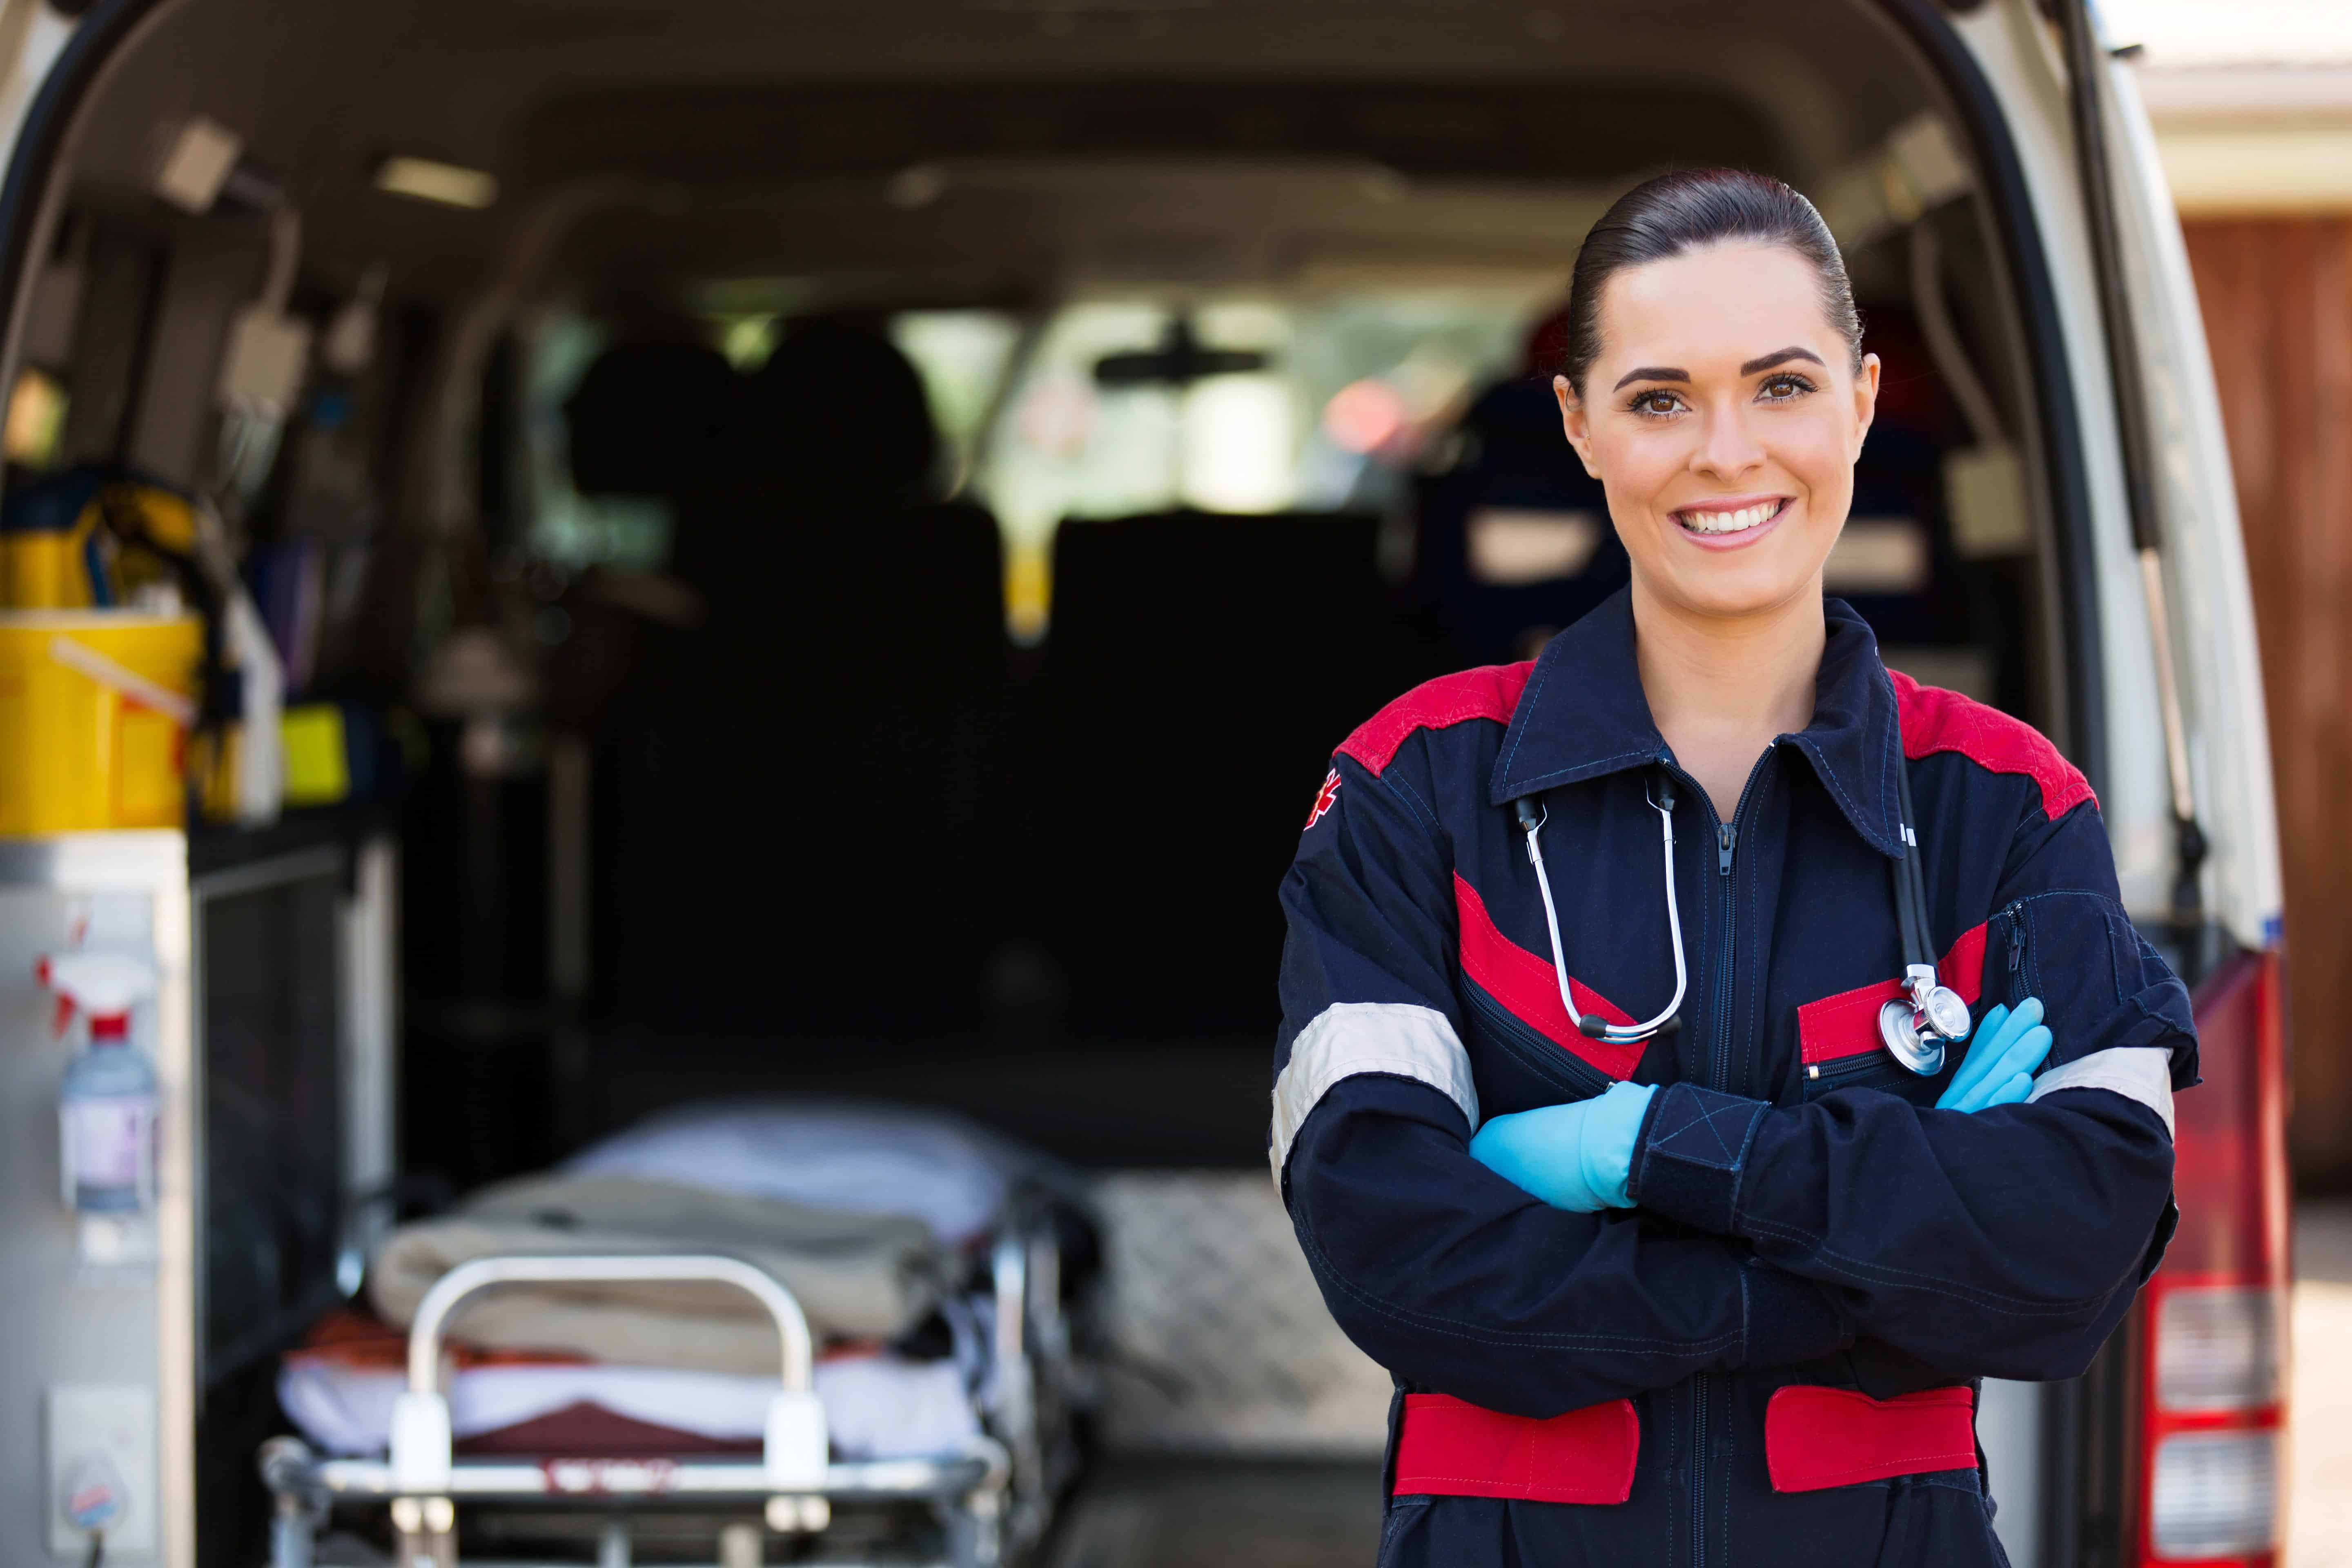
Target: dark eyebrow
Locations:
point(1653, 373)
point(1780, 356)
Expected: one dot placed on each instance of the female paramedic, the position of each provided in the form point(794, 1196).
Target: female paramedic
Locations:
point(1705, 1054)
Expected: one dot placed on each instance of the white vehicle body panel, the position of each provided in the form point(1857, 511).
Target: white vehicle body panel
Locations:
point(2020, 58)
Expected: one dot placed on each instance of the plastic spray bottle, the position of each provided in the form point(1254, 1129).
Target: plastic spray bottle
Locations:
point(107, 1110)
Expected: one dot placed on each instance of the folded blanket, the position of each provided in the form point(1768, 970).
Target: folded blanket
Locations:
point(862, 1276)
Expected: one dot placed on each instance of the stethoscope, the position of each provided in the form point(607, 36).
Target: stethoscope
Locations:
point(1915, 1028)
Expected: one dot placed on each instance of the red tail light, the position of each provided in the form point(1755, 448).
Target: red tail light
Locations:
point(2213, 1388)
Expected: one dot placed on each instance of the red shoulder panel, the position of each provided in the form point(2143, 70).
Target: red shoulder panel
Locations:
point(1934, 719)
point(1526, 983)
point(1490, 691)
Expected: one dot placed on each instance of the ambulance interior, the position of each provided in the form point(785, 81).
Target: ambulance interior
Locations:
point(864, 524)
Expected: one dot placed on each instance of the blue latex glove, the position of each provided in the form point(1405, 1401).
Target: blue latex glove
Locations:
point(1571, 1156)
point(2001, 1062)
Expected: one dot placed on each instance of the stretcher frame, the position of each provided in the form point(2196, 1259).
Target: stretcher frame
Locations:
point(993, 1500)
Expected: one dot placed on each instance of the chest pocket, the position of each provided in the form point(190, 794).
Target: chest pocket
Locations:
point(1838, 1045)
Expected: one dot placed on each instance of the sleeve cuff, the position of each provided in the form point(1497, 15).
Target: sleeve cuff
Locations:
point(1691, 1152)
point(1789, 1319)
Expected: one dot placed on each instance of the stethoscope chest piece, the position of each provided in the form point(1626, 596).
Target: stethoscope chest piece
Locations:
point(1898, 1026)
point(1916, 1027)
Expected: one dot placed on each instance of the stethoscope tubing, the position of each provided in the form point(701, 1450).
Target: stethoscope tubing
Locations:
point(1911, 881)
point(1616, 1034)
point(1910, 914)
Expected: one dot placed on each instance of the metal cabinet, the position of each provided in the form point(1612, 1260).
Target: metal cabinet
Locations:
point(150, 1343)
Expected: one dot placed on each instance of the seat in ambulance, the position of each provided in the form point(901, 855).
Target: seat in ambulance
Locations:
point(813, 849)
point(654, 418)
point(1512, 538)
point(1199, 672)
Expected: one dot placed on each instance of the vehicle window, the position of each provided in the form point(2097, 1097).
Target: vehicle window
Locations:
point(964, 357)
point(627, 531)
point(1239, 405)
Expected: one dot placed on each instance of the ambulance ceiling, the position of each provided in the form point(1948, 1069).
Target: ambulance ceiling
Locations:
point(655, 142)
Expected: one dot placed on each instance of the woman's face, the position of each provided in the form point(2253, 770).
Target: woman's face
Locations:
point(1722, 419)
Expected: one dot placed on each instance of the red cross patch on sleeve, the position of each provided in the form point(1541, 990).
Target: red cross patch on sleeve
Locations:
point(1325, 798)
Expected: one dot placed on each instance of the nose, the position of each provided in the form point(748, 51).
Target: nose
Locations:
point(1727, 447)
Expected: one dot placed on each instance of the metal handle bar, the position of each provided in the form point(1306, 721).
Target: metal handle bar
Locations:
point(1009, 1280)
point(663, 1268)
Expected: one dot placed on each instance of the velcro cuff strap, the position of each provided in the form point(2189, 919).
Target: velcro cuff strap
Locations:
point(1816, 1437)
point(1688, 1164)
point(1450, 1447)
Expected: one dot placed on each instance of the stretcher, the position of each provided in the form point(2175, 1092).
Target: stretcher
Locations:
point(981, 1506)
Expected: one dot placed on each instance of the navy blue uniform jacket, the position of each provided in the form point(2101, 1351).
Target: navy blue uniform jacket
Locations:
point(1804, 1218)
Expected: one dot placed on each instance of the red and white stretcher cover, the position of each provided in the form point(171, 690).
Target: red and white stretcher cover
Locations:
point(339, 1390)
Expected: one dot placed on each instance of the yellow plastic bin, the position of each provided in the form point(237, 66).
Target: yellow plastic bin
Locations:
point(94, 713)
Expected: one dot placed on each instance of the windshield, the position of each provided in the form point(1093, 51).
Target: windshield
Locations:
point(1128, 406)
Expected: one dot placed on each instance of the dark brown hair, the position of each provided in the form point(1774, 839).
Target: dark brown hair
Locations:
point(1689, 210)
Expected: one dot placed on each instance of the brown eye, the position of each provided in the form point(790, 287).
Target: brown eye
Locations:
point(1654, 402)
point(1784, 388)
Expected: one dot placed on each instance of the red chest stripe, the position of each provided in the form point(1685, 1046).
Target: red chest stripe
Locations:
point(1846, 1025)
point(1934, 719)
point(1526, 983)
point(1490, 691)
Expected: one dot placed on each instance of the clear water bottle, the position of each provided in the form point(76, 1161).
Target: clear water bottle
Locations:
point(107, 1116)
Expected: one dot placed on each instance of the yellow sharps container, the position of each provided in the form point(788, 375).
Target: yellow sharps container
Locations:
point(95, 706)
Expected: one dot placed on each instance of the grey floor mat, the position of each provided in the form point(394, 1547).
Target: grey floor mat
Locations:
point(1206, 1289)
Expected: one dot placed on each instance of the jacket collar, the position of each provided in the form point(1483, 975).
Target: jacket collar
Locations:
point(1584, 715)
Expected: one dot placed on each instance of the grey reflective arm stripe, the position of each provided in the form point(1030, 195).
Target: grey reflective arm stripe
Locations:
point(2143, 1073)
point(1349, 1039)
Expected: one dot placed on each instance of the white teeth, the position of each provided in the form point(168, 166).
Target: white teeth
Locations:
point(1738, 521)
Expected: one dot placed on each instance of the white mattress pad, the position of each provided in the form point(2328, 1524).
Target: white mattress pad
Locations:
point(877, 1406)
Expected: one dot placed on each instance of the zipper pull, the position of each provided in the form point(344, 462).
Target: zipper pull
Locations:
point(1727, 838)
point(2016, 941)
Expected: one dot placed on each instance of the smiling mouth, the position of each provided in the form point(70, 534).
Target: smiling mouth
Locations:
point(1710, 522)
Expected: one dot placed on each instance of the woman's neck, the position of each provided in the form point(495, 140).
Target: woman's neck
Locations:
point(1720, 688)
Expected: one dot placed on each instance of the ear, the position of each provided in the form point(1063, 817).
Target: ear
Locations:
point(1866, 400)
point(1575, 421)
